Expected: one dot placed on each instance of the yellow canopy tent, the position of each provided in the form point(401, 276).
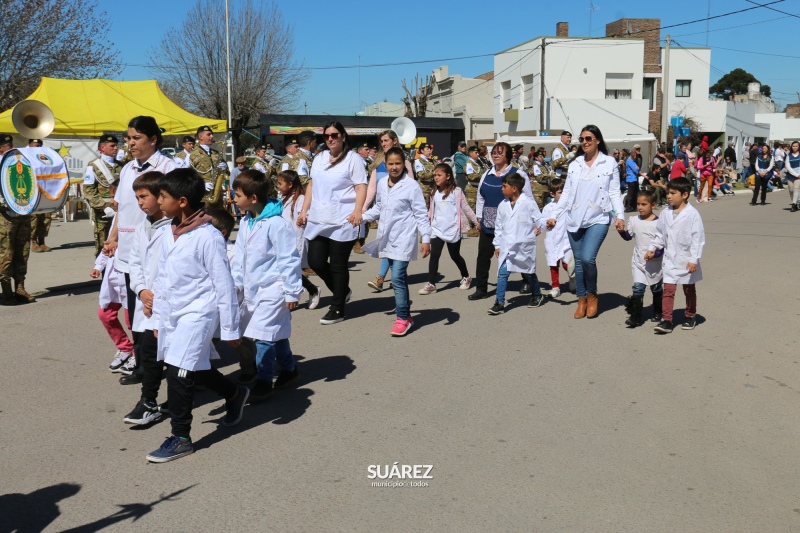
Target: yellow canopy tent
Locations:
point(89, 108)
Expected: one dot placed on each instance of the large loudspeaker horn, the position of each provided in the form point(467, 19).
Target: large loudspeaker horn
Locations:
point(405, 129)
point(33, 119)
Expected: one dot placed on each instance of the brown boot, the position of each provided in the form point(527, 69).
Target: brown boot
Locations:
point(8, 294)
point(43, 247)
point(357, 248)
point(23, 295)
point(308, 272)
point(580, 312)
point(35, 247)
point(591, 305)
point(474, 232)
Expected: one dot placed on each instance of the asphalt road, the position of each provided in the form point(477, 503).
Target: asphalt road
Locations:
point(533, 421)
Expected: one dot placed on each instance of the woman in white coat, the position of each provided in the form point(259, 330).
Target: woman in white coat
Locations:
point(331, 214)
point(592, 201)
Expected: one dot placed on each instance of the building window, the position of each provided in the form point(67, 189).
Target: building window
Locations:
point(505, 91)
point(683, 88)
point(649, 92)
point(618, 94)
point(619, 86)
point(527, 91)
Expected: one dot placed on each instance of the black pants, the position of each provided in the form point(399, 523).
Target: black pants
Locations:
point(307, 285)
point(328, 258)
point(630, 198)
point(461, 182)
point(484, 261)
point(152, 370)
point(454, 249)
point(180, 394)
point(761, 185)
point(131, 311)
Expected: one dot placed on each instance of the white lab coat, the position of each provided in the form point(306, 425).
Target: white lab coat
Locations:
point(644, 233)
point(194, 297)
point(112, 288)
point(266, 271)
point(682, 238)
point(556, 241)
point(290, 216)
point(514, 234)
point(143, 263)
point(402, 214)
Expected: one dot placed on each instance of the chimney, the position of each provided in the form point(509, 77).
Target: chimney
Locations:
point(562, 29)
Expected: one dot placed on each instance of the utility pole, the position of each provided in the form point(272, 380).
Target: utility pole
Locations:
point(541, 91)
point(228, 60)
point(665, 88)
point(305, 108)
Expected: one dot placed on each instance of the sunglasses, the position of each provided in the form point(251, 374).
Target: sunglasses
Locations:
point(331, 136)
point(585, 139)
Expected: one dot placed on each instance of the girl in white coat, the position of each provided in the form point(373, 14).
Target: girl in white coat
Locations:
point(518, 222)
point(557, 250)
point(400, 209)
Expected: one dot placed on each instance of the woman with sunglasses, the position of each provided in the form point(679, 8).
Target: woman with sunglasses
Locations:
point(333, 214)
point(592, 200)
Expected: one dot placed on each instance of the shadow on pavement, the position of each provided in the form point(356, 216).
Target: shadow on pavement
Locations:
point(426, 317)
point(70, 245)
point(72, 289)
point(34, 511)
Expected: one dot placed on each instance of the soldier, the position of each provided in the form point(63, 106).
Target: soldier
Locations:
point(423, 167)
point(363, 150)
point(302, 158)
point(15, 242)
point(260, 162)
point(373, 153)
point(540, 180)
point(474, 171)
point(97, 179)
point(562, 156)
point(182, 158)
point(40, 224)
point(210, 165)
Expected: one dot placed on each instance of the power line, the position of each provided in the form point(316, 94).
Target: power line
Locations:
point(773, 9)
point(749, 51)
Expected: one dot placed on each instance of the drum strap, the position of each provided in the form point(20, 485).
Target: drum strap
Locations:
point(99, 165)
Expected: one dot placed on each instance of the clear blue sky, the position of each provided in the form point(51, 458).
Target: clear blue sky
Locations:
point(337, 33)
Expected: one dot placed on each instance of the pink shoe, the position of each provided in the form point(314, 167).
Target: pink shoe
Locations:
point(401, 327)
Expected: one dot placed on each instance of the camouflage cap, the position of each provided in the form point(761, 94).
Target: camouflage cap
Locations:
point(5, 139)
point(108, 139)
point(241, 160)
point(188, 139)
point(201, 129)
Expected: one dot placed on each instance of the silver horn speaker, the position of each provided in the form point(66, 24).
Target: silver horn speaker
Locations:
point(405, 129)
point(33, 119)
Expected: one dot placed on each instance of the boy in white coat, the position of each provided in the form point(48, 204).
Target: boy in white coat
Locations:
point(681, 235)
point(143, 262)
point(518, 223)
point(400, 207)
point(266, 272)
point(557, 249)
point(194, 297)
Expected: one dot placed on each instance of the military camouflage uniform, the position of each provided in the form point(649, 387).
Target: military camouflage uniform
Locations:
point(98, 195)
point(208, 167)
point(560, 164)
point(425, 178)
point(181, 159)
point(540, 184)
point(473, 179)
point(15, 247)
point(308, 159)
point(40, 228)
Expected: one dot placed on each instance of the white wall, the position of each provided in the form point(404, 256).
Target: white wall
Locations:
point(781, 127)
point(692, 64)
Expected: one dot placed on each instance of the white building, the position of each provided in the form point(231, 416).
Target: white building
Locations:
point(469, 99)
point(383, 109)
point(781, 126)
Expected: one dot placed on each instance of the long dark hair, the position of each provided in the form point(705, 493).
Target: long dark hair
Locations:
point(345, 141)
point(148, 126)
point(450, 184)
point(594, 130)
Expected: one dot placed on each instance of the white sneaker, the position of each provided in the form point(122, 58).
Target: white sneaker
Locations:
point(313, 299)
point(465, 283)
point(429, 288)
point(555, 293)
point(129, 366)
point(119, 359)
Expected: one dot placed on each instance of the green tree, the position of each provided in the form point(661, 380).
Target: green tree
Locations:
point(736, 82)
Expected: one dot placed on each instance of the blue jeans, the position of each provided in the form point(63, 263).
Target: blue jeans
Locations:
point(267, 352)
point(585, 245)
point(400, 286)
point(640, 288)
point(502, 283)
point(384, 268)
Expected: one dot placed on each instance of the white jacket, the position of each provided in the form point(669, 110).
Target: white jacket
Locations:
point(402, 214)
point(644, 233)
point(556, 241)
point(112, 288)
point(514, 234)
point(194, 295)
point(682, 237)
point(266, 271)
point(143, 264)
point(290, 216)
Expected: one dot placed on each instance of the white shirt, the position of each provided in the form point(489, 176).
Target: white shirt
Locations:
point(682, 236)
point(514, 234)
point(645, 234)
point(445, 225)
point(526, 189)
point(556, 240)
point(144, 258)
point(334, 196)
point(128, 214)
point(290, 215)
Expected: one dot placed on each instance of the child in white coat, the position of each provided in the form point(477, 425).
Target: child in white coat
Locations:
point(556, 243)
point(143, 263)
point(194, 297)
point(266, 271)
point(518, 222)
point(643, 230)
point(450, 215)
point(400, 207)
point(681, 235)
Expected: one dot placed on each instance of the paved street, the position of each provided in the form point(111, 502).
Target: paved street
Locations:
point(533, 421)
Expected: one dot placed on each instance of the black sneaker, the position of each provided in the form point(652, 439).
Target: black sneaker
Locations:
point(146, 412)
point(133, 379)
point(526, 288)
point(497, 309)
point(478, 295)
point(663, 327)
point(164, 409)
point(286, 378)
point(261, 391)
point(536, 300)
point(247, 379)
point(656, 318)
point(332, 317)
point(173, 448)
point(235, 406)
point(689, 323)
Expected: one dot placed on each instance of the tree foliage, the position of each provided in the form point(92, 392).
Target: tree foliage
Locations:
point(51, 38)
point(190, 62)
point(735, 82)
point(416, 102)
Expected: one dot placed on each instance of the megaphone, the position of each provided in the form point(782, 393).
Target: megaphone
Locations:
point(405, 129)
point(33, 119)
